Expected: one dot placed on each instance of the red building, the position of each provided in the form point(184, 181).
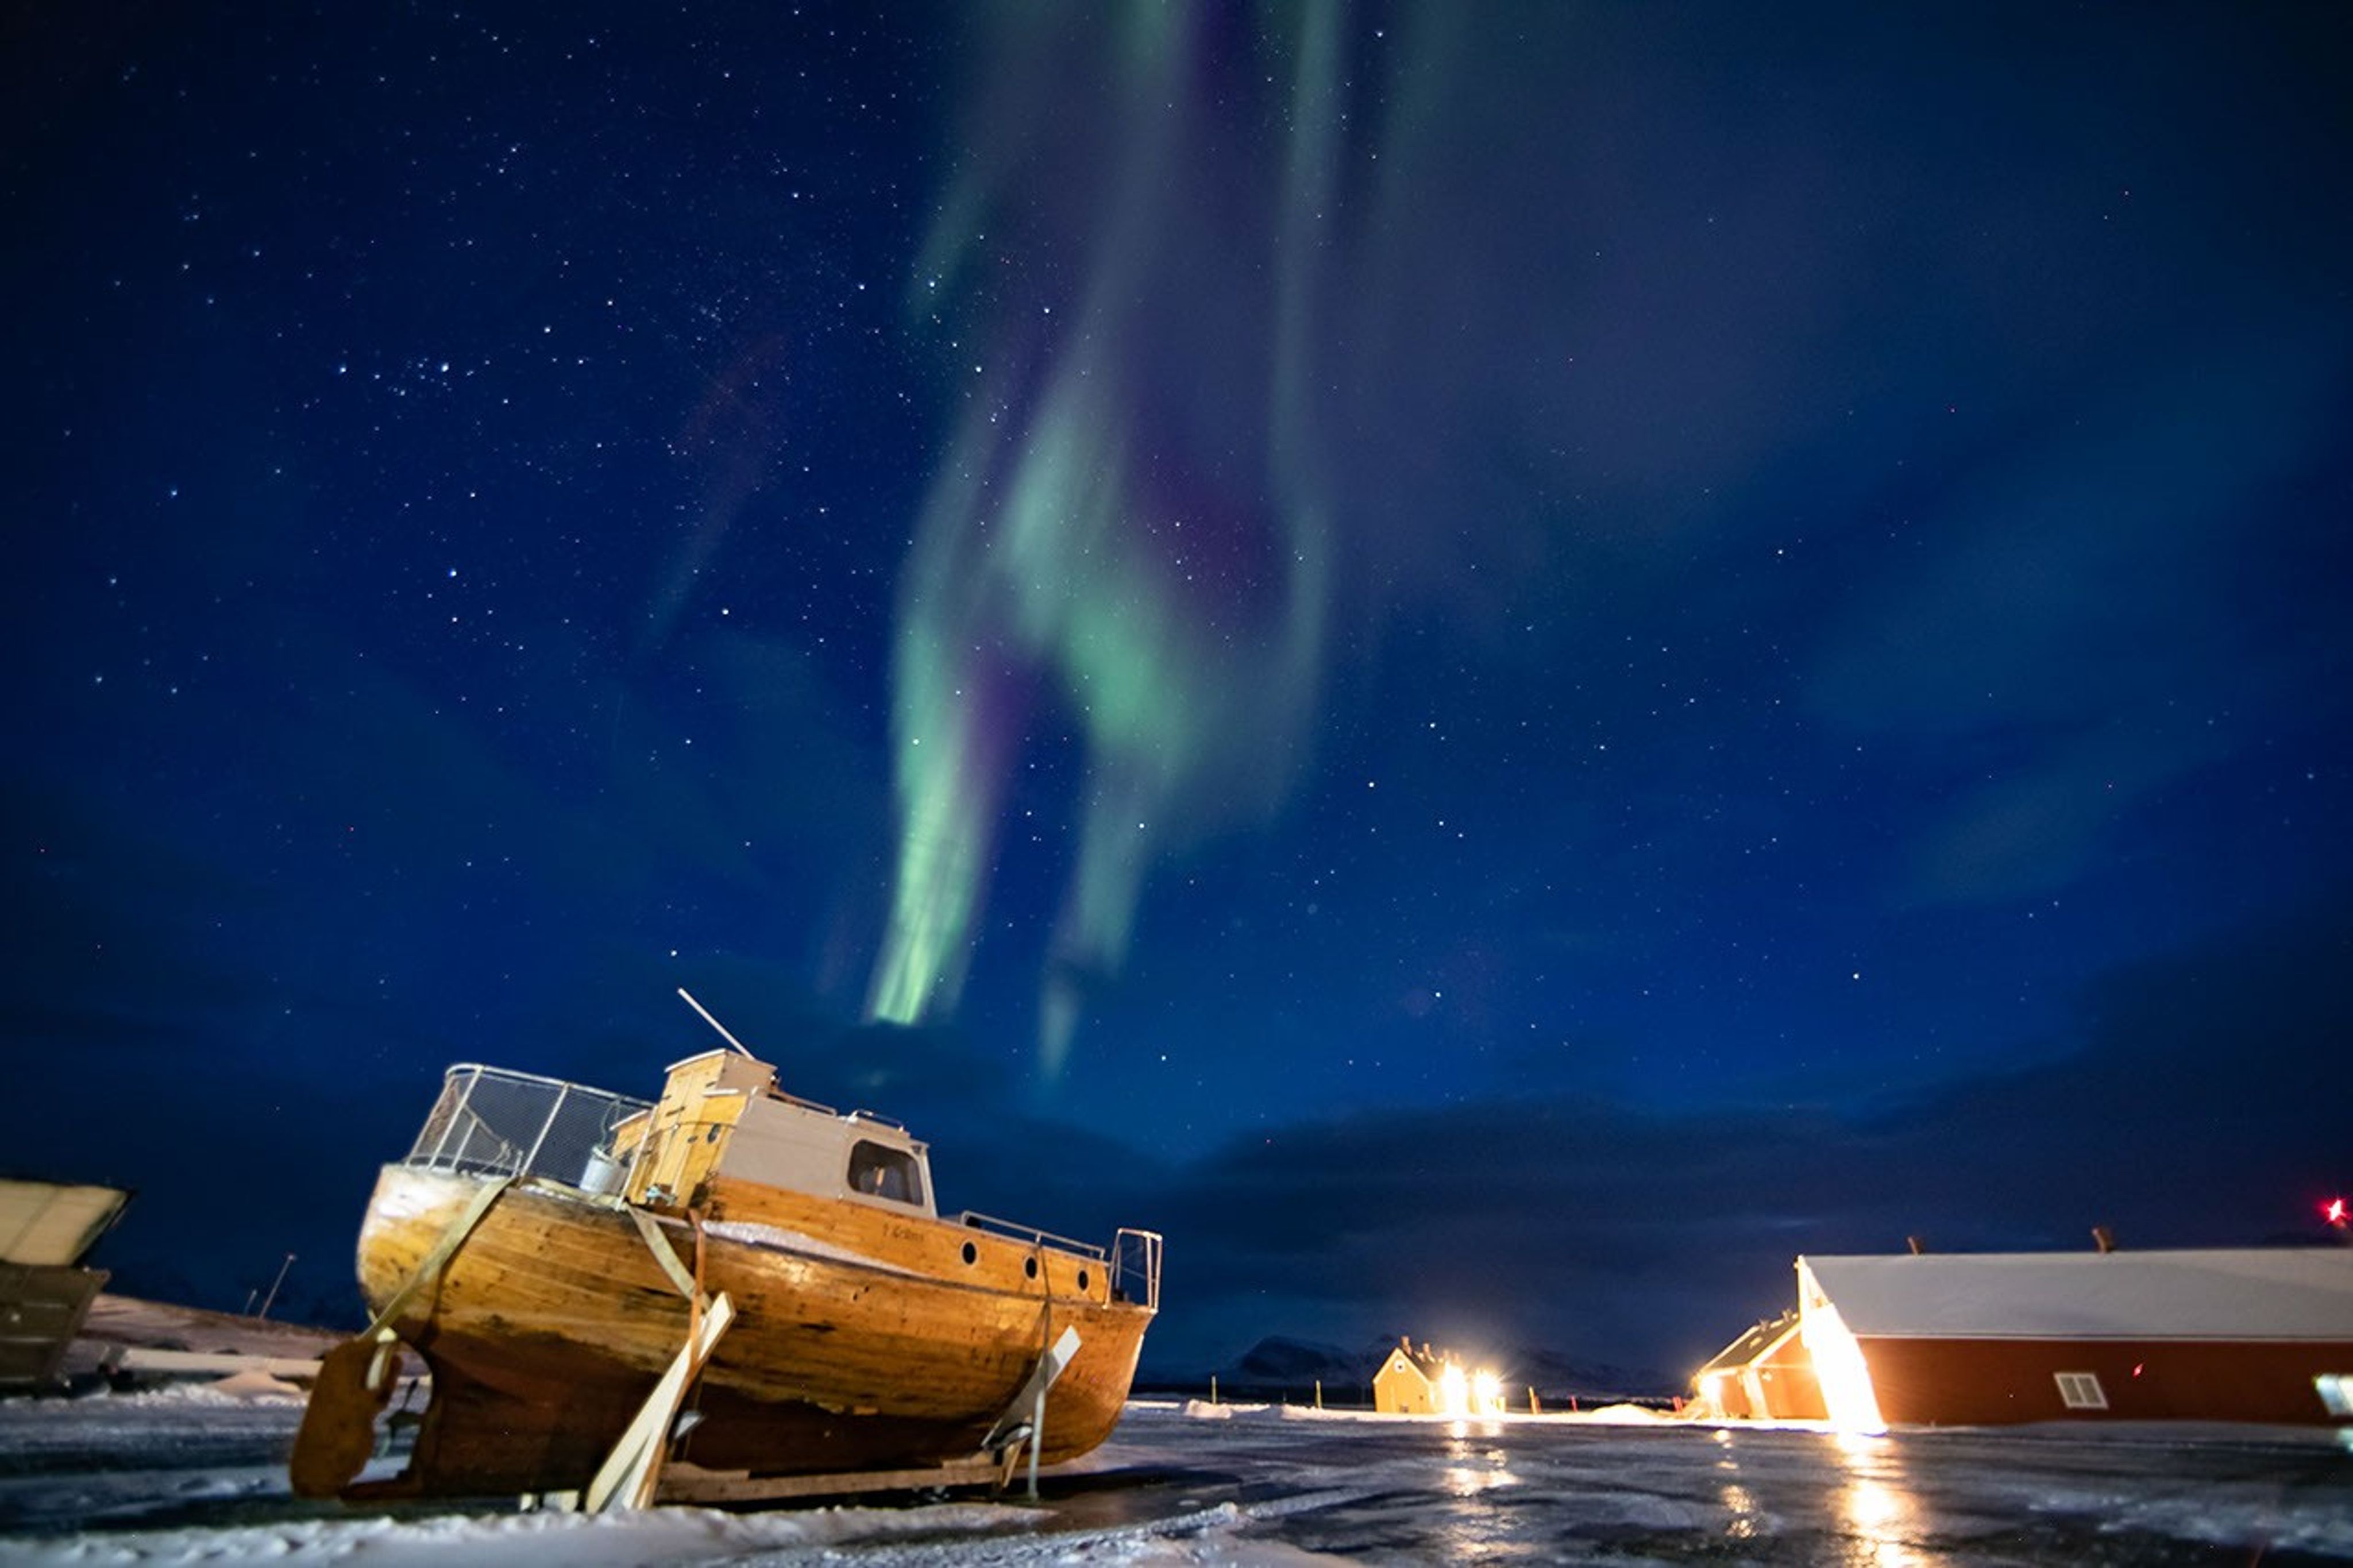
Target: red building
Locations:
point(2209, 1335)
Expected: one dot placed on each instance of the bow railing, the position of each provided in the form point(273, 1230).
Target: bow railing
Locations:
point(492, 1121)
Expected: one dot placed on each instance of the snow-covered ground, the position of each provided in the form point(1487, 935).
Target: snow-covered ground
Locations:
point(191, 1475)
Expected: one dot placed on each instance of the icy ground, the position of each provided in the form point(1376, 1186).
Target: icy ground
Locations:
point(195, 1476)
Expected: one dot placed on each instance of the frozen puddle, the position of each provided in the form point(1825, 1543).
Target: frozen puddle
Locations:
point(187, 1480)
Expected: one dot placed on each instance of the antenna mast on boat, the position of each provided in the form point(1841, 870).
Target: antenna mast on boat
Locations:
point(712, 1021)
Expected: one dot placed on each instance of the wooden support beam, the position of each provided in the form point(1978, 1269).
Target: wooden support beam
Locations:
point(632, 1472)
point(140, 1358)
point(685, 1483)
point(667, 1256)
point(1024, 1421)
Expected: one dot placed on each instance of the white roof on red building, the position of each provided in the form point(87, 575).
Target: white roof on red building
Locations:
point(2285, 1293)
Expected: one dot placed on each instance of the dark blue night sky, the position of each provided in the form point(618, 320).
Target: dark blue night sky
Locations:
point(1500, 664)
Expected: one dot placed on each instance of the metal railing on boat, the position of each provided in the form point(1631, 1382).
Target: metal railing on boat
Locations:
point(1133, 1256)
point(496, 1121)
point(1135, 1267)
point(1030, 1234)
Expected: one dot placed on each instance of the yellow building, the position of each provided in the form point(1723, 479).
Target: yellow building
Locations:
point(1425, 1383)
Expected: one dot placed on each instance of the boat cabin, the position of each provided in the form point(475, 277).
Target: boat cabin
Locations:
point(721, 1113)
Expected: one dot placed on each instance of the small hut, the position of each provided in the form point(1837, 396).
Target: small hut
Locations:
point(46, 1230)
point(1407, 1382)
point(1762, 1375)
point(1433, 1383)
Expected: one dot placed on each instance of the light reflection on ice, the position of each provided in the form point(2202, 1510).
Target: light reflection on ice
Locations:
point(1878, 1510)
point(1882, 1517)
point(1747, 1520)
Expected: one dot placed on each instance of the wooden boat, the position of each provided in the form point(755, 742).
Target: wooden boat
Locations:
point(731, 1277)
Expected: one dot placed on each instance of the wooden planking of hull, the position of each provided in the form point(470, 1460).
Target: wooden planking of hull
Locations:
point(863, 1338)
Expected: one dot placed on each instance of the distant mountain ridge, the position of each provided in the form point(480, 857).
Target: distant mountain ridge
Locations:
point(1281, 1367)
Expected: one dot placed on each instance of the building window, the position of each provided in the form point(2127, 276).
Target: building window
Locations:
point(882, 1172)
point(2081, 1391)
point(2336, 1391)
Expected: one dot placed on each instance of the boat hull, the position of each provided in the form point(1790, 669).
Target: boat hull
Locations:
point(851, 1349)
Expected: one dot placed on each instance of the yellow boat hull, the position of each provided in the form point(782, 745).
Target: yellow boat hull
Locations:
point(862, 1340)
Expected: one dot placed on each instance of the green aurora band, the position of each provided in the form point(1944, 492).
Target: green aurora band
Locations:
point(1107, 525)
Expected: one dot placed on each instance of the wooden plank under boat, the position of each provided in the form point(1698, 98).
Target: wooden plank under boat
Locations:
point(548, 1290)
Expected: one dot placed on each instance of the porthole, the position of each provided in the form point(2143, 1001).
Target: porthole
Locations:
point(1029, 1267)
point(971, 1253)
point(1082, 1278)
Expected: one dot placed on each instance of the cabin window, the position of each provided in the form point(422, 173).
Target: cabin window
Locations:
point(879, 1171)
point(2336, 1391)
point(2081, 1391)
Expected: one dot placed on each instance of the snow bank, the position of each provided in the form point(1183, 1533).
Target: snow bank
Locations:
point(1621, 1416)
point(1606, 1415)
point(256, 1384)
point(527, 1540)
point(972, 1535)
point(251, 1387)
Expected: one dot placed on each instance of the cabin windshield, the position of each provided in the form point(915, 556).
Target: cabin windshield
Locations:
point(492, 1120)
point(879, 1171)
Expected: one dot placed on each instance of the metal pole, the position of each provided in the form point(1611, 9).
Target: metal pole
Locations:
point(272, 1297)
point(712, 1022)
point(455, 1111)
point(1036, 1437)
point(553, 1112)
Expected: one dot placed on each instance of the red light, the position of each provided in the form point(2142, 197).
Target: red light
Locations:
point(2332, 1211)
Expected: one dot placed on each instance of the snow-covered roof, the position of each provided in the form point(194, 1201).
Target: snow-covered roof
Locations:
point(2290, 1293)
point(51, 1223)
point(1752, 1344)
point(1424, 1361)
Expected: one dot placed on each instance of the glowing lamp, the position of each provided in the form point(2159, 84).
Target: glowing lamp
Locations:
point(1454, 1390)
point(2332, 1211)
point(1845, 1376)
